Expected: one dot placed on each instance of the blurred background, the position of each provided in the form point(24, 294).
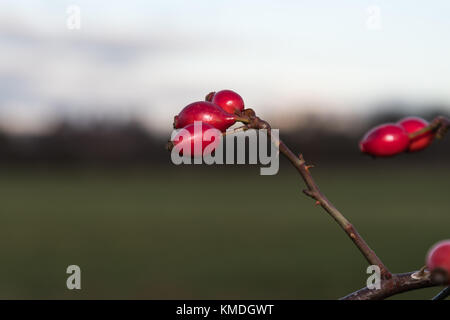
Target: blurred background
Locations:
point(88, 91)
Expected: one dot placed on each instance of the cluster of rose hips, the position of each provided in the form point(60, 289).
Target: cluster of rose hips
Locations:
point(219, 111)
point(393, 138)
point(438, 260)
point(222, 109)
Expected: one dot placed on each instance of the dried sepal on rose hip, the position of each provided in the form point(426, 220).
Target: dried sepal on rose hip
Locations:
point(412, 125)
point(205, 136)
point(208, 113)
point(438, 261)
point(229, 101)
point(209, 96)
point(385, 140)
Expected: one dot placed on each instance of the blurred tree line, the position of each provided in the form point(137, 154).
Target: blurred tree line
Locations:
point(131, 144)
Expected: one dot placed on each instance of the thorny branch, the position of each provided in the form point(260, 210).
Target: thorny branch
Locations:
point(397, 284)
point(391, 284)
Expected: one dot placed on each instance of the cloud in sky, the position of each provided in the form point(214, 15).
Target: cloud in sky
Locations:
point(150, 58)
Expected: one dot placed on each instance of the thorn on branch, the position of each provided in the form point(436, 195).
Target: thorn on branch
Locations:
point(421, 274)
point(309, 193)
point(302, 160)
point(313, 195)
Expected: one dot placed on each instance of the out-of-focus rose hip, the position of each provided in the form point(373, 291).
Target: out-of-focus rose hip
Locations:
point(414, 124)
point(438, 258)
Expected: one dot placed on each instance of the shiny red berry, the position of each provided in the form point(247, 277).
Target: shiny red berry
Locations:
point(385, 140)
point(206, 112)
point(413, 124)
point(438, 259)
point(229, 101)
point(205, 136)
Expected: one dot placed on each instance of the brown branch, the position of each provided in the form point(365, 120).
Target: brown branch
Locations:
point(314, 192)
point(391, 284)
point(439, 126)
point(397, 284)
point(443, 294)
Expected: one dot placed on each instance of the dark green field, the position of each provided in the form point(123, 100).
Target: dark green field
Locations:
point(211, 234)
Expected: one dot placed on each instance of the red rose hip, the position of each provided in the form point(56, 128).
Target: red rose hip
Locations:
point(414, 124)
point(229, 101)
point(206, 112)
point(438, 259)
point(205, 136)
point(385, 140)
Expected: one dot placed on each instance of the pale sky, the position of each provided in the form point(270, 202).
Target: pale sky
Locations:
point(151, 58)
